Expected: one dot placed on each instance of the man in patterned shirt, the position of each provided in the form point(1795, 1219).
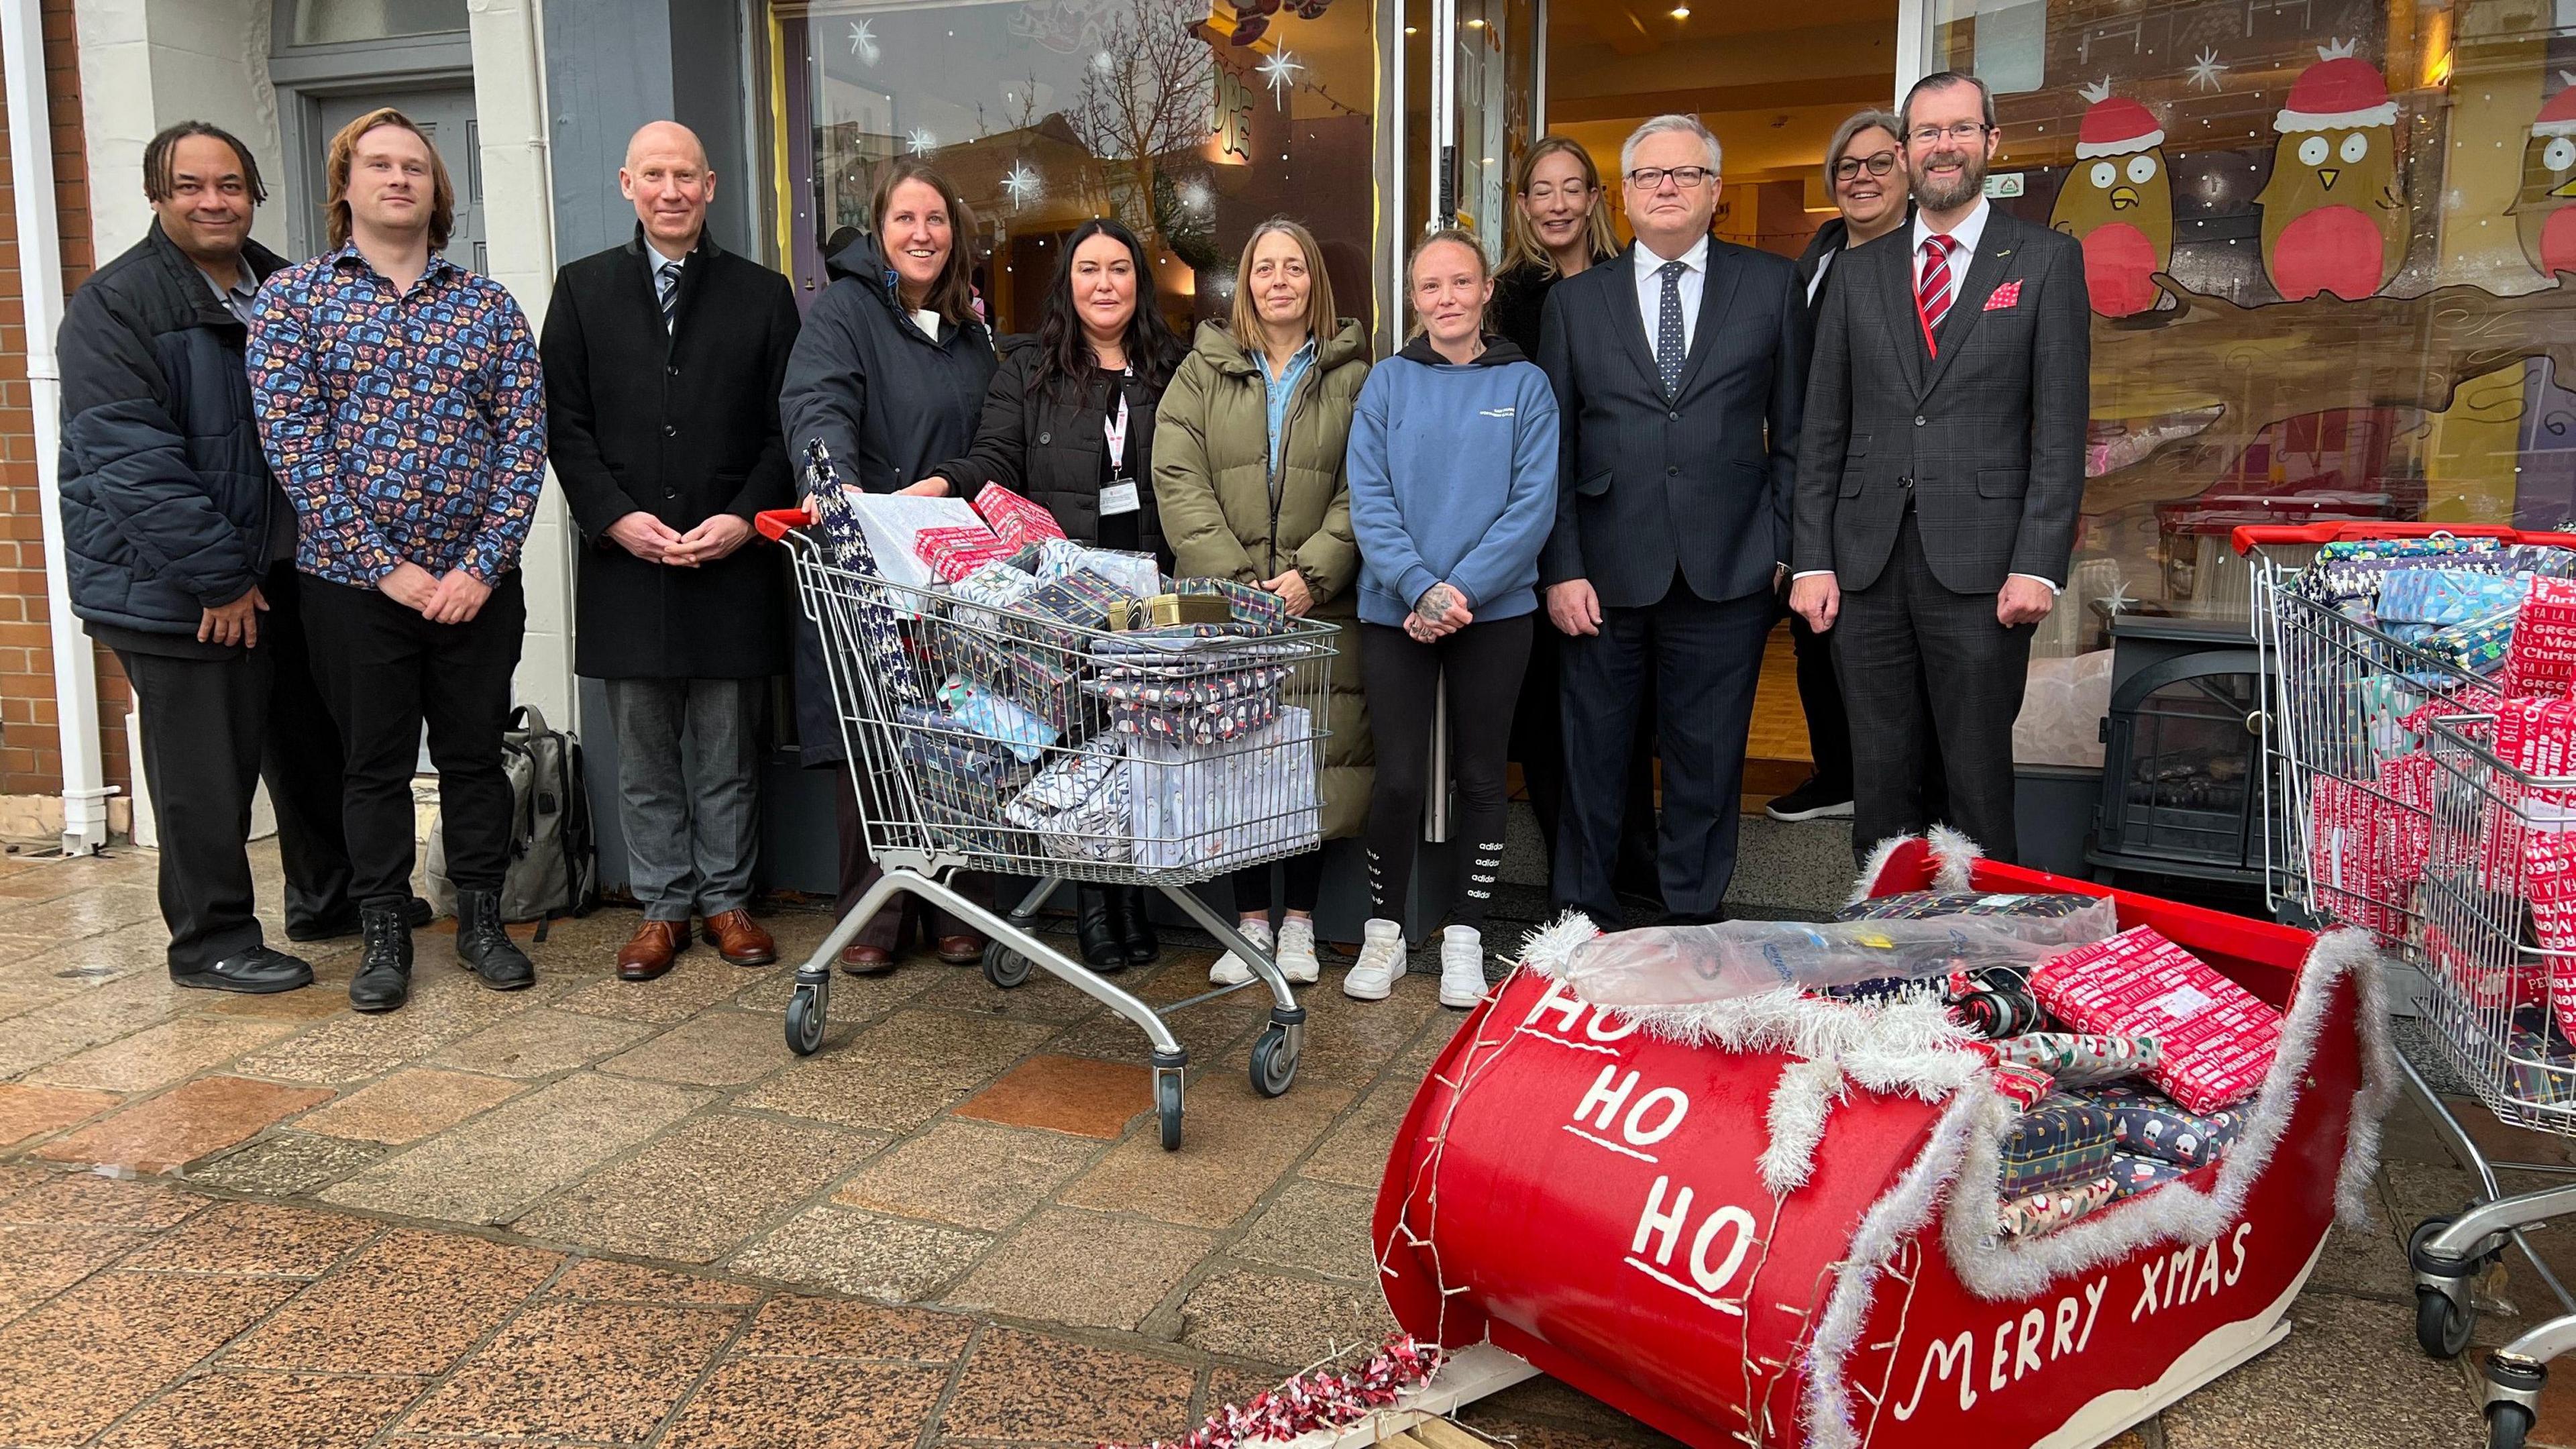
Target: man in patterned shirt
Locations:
point(401, 407)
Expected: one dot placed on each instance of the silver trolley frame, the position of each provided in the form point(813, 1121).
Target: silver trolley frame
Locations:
point(2462, 921)
point(932, 807)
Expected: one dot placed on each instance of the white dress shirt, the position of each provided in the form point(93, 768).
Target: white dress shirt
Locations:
point(1650, 291)
point(1968, 233)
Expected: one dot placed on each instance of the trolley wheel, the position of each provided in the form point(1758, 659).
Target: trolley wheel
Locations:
point(2442, 1327)
point(1167, 1105)
point(1003, 966)
point(1274, 1062)
point(2507, 1423)
point(805, 1021)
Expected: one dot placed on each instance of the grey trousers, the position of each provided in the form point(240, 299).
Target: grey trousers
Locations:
point(688, 791)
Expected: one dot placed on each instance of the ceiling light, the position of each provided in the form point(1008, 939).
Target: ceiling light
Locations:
point(1681, 12)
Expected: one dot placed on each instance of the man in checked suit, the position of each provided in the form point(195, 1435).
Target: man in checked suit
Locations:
point(1941, 473)
point(1679, 370)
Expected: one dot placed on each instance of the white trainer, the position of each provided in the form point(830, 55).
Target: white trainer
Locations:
point(1296, 955)
point(1230, 969)
point(1462, 967)
point(1381, 962)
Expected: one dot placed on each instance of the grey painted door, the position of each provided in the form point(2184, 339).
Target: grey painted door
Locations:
point(447, 114)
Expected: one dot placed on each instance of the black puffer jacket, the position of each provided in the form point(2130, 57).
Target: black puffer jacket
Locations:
point(1049, 447)
point(168, 505)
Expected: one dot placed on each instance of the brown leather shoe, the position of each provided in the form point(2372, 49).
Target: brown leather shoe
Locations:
point(866, 960)
point(649, 952)
point(961, 950)
point(739, 939)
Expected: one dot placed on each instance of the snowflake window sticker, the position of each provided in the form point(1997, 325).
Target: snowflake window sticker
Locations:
point(2205, 70)
point(920, 142)
point(863, 41)
point(1278, 70)
point(1022, 184)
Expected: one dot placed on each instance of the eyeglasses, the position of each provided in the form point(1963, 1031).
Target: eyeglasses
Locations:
point(1572, 191)
point(1688, 178)
point(1956, 131)
point(1850, 166)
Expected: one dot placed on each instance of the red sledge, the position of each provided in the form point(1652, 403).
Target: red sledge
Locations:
point(1596, 1195)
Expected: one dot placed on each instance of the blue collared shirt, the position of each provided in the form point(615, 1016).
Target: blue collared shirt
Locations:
point(1281, 389)
point(407, 427)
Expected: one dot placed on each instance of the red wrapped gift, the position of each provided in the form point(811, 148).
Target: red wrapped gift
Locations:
point(1015, 518)
point(2542, 657)
point(953, 553)
point(2407, 781)
point(2348, 855)
point(2218, 1039)
point(2549, 875)
point(2536, 737)
point(2484, 986)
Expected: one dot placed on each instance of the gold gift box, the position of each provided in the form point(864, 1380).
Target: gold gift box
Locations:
point(1164, 610)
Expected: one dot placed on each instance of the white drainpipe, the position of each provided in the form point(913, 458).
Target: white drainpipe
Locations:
point(40, 285)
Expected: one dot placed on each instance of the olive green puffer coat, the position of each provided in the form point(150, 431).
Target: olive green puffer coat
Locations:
point(1226, 517)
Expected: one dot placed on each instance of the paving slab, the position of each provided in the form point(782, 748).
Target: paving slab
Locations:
point(413, 1301)
point(969, 1174)
point(1033, 1386)
point(38, 1261)
point(492, 1168)
point(411, 1104)
point(607, 1279)
point(868, 1254)
point(792, 1325)
point(103, 1346)
point(607, 1372)
point(1084, 1096)
point(446, 1006)
point(696, 1194)
point(287, 1164)
point(89, 1200)
point(157, 1056)
point(1281, 1319)
point(1320, 1227)
point(266, 1411)
point(1098, 1270)
point(254, 1239)
point(698, 981)
point(792, 1404)
point(1355, 1153)
point(27, 1111)
point(899, 1073)
point(712, 1049)
point(541, 1043)
point(1234, 1145)
point(2359, 1357)
point(1348, 1043)
point(183, 1124)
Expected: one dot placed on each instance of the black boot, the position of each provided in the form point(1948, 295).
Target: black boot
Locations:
point(1094, 927)
point(345, 923)
point(1134, 928)
point(383, 981)
point(482, 944)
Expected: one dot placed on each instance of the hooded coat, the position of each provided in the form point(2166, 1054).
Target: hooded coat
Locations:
point(1225, 515)
point(891, 402)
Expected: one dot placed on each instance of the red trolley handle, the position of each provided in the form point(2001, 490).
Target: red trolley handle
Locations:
point(2249, 537)
point(776, 523)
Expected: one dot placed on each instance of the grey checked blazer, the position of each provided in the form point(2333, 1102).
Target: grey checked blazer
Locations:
point(1990, 436)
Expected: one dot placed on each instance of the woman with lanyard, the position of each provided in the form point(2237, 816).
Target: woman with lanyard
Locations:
point(1069, 424)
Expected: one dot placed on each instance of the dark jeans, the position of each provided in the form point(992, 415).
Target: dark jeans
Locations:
point(386, 672)
point(1305, 885)
point(1483, 664)
point(212, 730)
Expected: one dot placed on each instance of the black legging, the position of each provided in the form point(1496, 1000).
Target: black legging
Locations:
point(1483, 664)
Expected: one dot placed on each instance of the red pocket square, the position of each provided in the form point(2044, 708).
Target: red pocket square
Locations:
point(2007, 295)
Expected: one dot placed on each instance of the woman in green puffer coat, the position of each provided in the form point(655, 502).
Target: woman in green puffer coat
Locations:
point(1248, 479)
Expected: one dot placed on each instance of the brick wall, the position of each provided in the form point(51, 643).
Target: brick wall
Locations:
point(30, 749)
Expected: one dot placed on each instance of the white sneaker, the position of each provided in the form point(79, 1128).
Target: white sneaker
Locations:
point(1296, 955)
point(1462, 967)
point(1230, 969)
point(1381, 962)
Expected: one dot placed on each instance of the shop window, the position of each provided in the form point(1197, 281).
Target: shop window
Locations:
point(2324, 241)
point(333, 22)
point(1191, 128)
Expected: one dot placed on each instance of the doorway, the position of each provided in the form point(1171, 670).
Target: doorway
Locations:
point(446, 115)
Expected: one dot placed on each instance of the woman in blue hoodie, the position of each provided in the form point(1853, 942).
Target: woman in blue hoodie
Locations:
point(1453, 469)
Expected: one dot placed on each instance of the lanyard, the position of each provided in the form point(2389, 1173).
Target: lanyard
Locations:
point(1116, 431)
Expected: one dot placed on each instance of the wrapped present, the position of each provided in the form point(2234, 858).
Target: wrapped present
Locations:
point(2499, 983)
point(892, 521)
point(2483, 647)
point(1078, 806)
point(959, 782)
point(871, 615)
point(1247, 604)
point(980, 711)
point(1001, 584)
point(2407, 782)
point(1161, 611)
point(953, 553)
point(2136, 1173)
point(2535, 737)
point(2217, 1040)
point(2025, 1086)
point(2079, 1058)
point(1211, 723)
point(2147, 1121)
point(2542, 656)
point(1159, 690)
point(2063, 1139)
point(2385, 702)
point(2347, 861)
point(1201, 807)
point(2433, 595)
point(1133, 574)
point(1045, 682)
point(2540, 1071)
point(1993, 1003)
point(2040, 1213)
point(2440, 545)
point(1013, 517)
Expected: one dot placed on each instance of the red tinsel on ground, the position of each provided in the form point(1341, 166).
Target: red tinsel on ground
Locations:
point(1322, 1399)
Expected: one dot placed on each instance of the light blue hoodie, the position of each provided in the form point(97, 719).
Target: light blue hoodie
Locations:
point(1453, 478)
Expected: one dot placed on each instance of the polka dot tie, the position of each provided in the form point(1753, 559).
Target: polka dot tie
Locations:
point(1668, 327)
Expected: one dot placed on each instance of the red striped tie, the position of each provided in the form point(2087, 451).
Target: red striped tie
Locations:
point(1932, 293)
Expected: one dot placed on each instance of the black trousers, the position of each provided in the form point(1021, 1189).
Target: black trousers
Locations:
point(1538, 747)
point(1302, 889)
point(212, 730)
point(1922, 666)
point(386, 673)
point(1483, 664)
point(1705, 659)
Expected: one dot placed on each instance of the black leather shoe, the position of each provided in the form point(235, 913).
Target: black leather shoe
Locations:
point(383, 981)
point(1133, 927)
point(1101, 948)
point(483, 944)
point(255, 972)
point(347, 923)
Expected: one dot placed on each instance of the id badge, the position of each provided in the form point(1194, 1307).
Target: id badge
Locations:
point(1119, 497)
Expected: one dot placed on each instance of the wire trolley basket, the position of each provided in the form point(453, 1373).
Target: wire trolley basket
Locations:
point(1017, 738)
point(2396, 806)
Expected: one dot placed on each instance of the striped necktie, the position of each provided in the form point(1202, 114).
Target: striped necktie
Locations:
point(668, 277)
point(1932, 292)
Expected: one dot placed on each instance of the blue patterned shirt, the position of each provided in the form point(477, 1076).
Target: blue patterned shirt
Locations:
point(1283, 388)
point(406, 427)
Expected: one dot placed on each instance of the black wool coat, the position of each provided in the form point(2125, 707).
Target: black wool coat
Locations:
point(1051, 447)
point(682, 425)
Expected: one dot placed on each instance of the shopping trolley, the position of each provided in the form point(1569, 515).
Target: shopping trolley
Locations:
point(1000, 739)
point(2433, 856)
